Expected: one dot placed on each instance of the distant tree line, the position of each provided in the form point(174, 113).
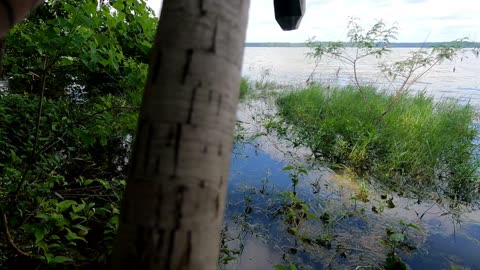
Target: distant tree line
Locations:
point(392, 45)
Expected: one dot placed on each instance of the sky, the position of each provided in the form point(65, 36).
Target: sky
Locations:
point(418, 20)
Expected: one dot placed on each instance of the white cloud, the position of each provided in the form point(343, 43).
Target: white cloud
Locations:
point(418, 20)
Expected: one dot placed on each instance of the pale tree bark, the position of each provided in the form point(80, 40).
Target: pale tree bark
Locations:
point(172, 211)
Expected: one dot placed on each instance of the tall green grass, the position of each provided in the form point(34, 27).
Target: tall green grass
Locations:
point(419, 142)
point(255, 89)
point(245, 88)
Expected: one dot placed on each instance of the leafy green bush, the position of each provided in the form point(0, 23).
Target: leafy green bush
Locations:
point(81, 47)
point(60, 187)
point(63, 158)
point(416, 143)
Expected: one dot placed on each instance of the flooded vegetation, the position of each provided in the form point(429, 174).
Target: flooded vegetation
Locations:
point(290, 206)
point(354, 176)
point(412, 144)
point(352, 172)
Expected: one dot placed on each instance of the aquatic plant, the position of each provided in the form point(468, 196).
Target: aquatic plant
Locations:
point(420, 146)
point(245, 88)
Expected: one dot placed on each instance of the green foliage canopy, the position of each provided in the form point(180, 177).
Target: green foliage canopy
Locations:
point(81, 47)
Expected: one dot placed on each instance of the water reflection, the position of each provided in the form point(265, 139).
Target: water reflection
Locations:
point(353, 234)
point(257, 255)
point(445, 251)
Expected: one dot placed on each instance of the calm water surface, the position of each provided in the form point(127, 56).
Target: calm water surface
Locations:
point(257, 177)
point(290, 65)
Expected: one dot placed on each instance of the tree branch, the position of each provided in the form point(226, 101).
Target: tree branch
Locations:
point(9, 237)
point(37, 133)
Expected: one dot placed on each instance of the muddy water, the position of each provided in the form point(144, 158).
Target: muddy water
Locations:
point(257, 232)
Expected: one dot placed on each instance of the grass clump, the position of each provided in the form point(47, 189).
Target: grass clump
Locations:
point(417, 143)
point(259, 89)
point(245, 88)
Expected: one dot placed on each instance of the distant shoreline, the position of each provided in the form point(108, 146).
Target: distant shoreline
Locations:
point(392, 45)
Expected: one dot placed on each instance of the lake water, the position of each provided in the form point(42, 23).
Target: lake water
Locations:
point(352, 235)
point(290, 65)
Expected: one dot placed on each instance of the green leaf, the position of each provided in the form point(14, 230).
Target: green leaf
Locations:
point(64, 205)
point(411, 225)
point(73, 236)
point(42, 245)
point(118, 6)
point(293, 230)
point(88, 182)
point(76, 216)
point(115, 210)
point(111, 22)
point(121, 16)
point(302, 171)
point(57, 259)
point(227, 259)
point(280, 267)
point(81, 227)
point(147, 44)
point(54, 245)
point(66, 61)
point(91, 7)
point(288, 168)
point(39, 234)
point(397, 237)
point(43, 216)
point(79, 207)
point(104, 62)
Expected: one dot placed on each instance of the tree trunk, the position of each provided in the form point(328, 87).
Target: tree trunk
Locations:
point(172, 211)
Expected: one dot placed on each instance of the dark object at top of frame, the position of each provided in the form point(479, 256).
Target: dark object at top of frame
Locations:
point(289, 13)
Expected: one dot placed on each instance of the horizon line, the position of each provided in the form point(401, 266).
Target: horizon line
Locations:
point(299, 42)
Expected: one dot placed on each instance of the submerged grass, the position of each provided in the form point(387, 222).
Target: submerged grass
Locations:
point(419, 143)
point(263, 88)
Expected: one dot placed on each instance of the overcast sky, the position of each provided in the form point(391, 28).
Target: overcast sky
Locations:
point(418, 20)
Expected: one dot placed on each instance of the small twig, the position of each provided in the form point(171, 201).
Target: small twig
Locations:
point(37, 133)
point(66, 195)
point(330, 261)
point(363, 267)
point(10, 239)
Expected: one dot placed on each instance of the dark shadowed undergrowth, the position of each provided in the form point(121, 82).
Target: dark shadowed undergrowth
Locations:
point(62, 176)
point(412, 144)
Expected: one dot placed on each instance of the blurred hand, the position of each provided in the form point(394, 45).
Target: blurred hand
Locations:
point(13, 11)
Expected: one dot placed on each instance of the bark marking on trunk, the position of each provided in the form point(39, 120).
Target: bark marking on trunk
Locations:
point(173, 208)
